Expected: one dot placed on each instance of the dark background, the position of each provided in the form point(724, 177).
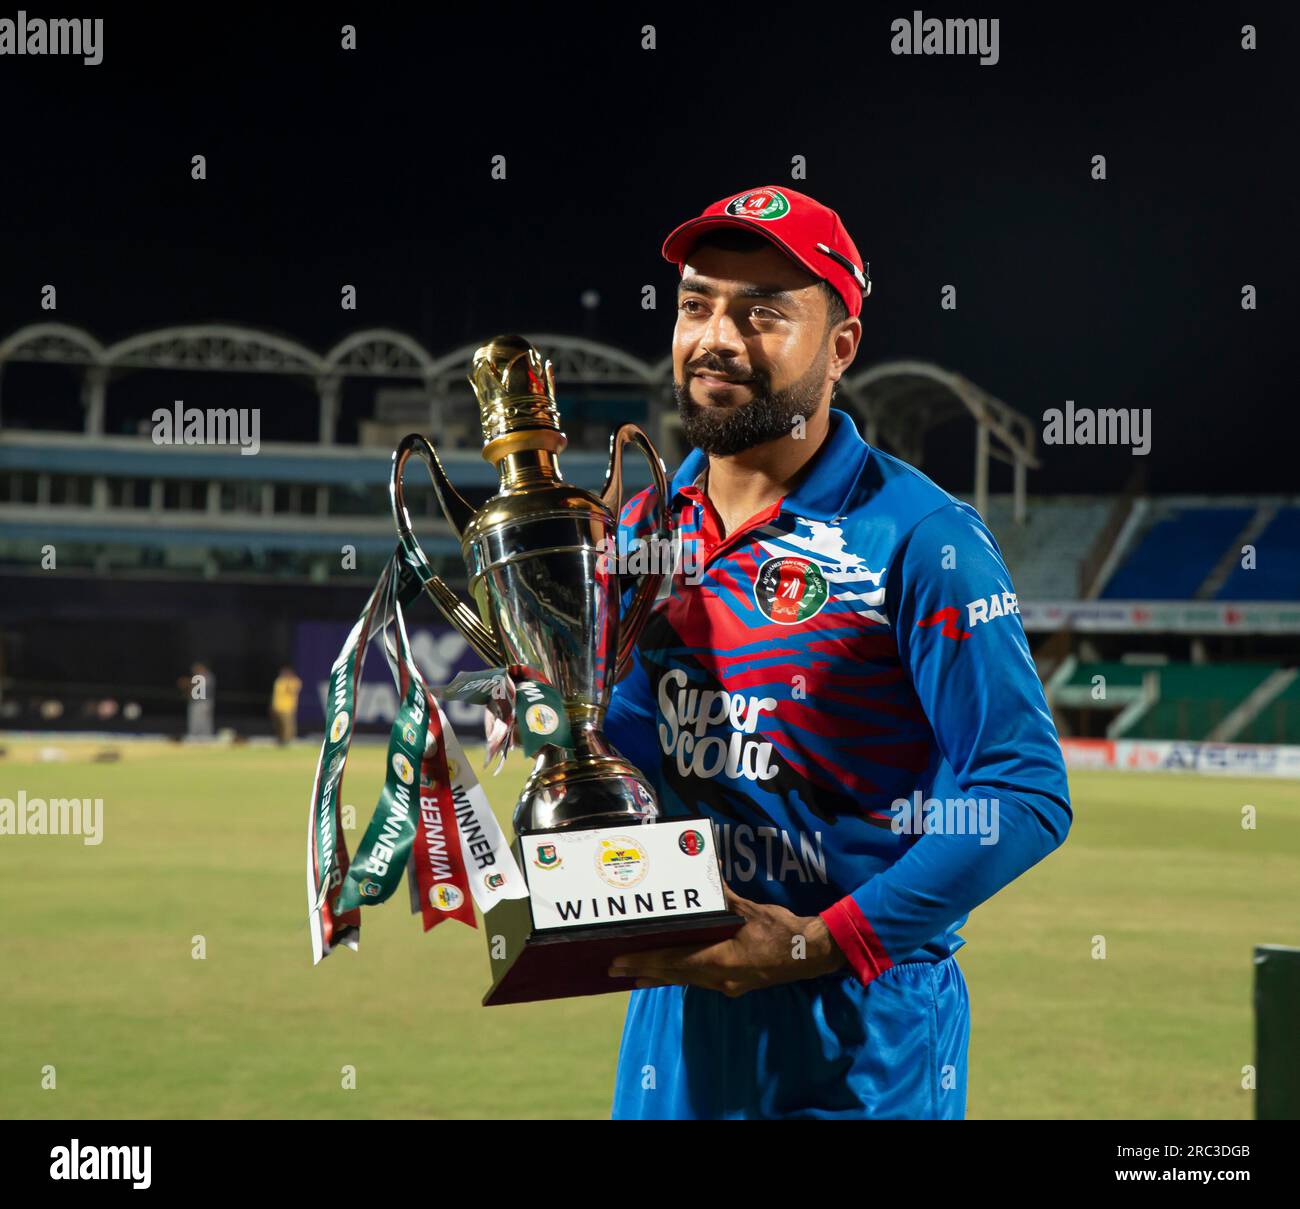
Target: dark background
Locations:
point(371, 167)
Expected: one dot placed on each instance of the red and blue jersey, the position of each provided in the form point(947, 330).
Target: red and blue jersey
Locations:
point(842, 685)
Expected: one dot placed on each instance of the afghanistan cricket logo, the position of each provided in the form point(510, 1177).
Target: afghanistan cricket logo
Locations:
point(767, 204)
point(691, 843)
point(790, 589)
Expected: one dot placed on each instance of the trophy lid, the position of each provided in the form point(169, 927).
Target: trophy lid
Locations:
point(516, 397)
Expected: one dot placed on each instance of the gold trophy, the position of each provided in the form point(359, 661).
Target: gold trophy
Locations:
point(606, 874)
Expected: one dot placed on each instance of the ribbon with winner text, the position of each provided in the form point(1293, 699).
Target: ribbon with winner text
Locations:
point(441, 831)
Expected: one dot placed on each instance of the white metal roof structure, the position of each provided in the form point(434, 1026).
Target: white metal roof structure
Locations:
point(898, 402)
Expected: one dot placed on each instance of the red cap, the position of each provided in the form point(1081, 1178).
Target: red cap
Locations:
point(804, 229)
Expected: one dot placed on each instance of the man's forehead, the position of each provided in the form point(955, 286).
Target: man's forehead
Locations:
point(792, 294)
point(760, 273)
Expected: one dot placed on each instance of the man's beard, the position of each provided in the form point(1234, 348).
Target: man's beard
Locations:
point(769, 415)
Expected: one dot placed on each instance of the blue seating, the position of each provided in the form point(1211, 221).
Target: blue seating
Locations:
point(1277, 564)
point(1176, 554)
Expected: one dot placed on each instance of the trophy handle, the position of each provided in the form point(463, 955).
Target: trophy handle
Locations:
point(638, 613)
point(458, 513)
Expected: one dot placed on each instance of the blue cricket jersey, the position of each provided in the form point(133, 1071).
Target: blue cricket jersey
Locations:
point(843, 687)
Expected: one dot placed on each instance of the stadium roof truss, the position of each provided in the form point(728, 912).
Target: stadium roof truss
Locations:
point(219, 348)
point(902, 401)
point(577, 361)
point(899, 402)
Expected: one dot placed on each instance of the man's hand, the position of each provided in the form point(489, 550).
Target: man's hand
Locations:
point(772, 946)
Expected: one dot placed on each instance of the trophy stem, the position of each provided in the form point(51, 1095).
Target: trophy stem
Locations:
point(589, 785)
point(529, 467)
point(589, 743)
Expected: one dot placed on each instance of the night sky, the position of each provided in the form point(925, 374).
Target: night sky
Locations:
point(372, 167)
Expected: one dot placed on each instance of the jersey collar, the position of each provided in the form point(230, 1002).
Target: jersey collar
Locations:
point(824, 488)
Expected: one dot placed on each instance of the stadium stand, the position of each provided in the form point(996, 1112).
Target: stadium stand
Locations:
point(1177, 553)
point(169, 552)
point(1276, 575)
point(1278, 721)
point(1117, 675)
point(1192, 700)
point(1044, 554)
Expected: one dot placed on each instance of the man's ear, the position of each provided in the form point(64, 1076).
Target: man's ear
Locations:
point(851, 330)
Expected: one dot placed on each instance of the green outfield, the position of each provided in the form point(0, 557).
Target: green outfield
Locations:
point(99, 982)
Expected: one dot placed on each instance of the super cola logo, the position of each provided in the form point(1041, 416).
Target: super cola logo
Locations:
point(689, 713)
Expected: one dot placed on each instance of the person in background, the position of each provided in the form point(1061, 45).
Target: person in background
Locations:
point(200, 689)
point(284, 704)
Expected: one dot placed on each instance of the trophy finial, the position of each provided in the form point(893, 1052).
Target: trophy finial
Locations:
point(515, 388)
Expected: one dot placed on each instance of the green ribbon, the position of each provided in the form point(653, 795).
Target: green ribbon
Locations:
point(536, 705)
point(381, 857)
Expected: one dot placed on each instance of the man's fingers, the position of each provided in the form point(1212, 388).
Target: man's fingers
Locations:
point(652, 963)
point(742, 906)
point(664, 962)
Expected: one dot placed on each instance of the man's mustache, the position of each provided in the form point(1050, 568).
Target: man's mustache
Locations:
point(710, 367)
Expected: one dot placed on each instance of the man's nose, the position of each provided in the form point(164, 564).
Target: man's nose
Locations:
point(721, 335)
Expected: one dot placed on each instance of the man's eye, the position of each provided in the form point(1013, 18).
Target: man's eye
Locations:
point(687, 304)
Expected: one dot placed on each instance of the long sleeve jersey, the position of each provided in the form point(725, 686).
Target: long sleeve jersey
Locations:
point(843, 687)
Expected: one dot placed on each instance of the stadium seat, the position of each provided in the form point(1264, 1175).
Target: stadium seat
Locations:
point(1193, 698)
point(1177, 553)
point(1277, 722)
point(1044, 554)
point(1276, 575)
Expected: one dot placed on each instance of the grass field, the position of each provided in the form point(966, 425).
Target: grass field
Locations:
point(97, 978)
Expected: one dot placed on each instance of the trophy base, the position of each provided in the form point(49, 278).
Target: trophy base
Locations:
point(549, 966)
point(597, 892)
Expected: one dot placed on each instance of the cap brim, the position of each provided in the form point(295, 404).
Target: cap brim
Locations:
point(677, 247)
